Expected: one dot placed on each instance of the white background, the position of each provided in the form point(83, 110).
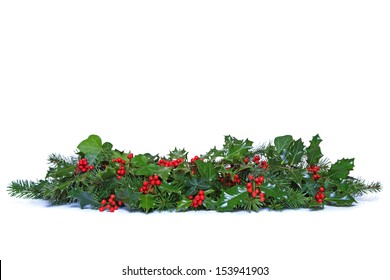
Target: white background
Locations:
point(151, 75)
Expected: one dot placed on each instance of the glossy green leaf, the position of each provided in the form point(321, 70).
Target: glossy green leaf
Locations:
point(194, 185)
point(128, 197)
point(231, 198)
point(206, 170)
point(340, 169)
point(91, 147)
point(282, 143)
point(295, 152)
point(183, 204)
point(178, 153)
point(84, 198)
point(164, 172)
point(106, 174)
point(165, 187)
point(147, 202)
point(314, 151)
point(236, 149)
point(139, 161)
point(272, 190)
point(209, 203)
point(340, 199)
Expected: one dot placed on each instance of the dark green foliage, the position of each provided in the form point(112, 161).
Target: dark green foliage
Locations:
point(221, 174)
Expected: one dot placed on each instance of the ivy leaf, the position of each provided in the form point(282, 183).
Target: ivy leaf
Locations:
point(236, 149)
point(165, 187)
point(282, 143)
point(184, 204)
point(164, 172)
point(140, 160)
point(340, 199)
point(147, 202)
point(107, 146)
point(91, 147)
point(314, 151)
point(128, 197)
point(194, 185)
point(340, 169)
point(84, 198)
point(231, 198)
point(175, 154)
point(206, 169)
point(106, 174)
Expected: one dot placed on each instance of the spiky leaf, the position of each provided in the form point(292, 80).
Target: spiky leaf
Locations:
point(314, 151)
point(84, 198)
point(340, 170)
point(147, 202)
point(231, 198)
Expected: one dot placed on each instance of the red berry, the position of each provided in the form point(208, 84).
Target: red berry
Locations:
point(190, 197)
point(246, 160)
point(250, 177)
point(120, 203)
point(112, 209)
point(101, 209)
point(322, 189)
point(104, 201)
point(112, 196)
point(150, 178)
point(201, 192)
point(249, 185)
point(319, 200)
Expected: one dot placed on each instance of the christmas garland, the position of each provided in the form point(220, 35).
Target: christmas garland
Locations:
point(279, 175)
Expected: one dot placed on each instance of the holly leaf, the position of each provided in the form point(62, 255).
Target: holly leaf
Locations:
point(194, 185)
point(164, 172)
point(147, 170)
point(91, 147)
point(282, 143)
point(340, 199)
point(139, 160)
point(106, 174)
point(206, 169)
point(213, 154)
point(84, 198)
point(209, 203)
point(272, 190)
point(178, 153)
point(147, 202)
point(340, 169)
point(184, 204)
point(313, 152)
point(231, 198)
point(295, 152)
point(165, 187)
point(297, 176)
point(236, 149)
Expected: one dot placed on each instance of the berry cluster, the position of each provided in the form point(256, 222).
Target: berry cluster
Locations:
point(236, 179)
point(148, 185)
point(263, 164)
point(112, 204)
point(121, 171)
point(251, 188)
point(314, 169)
point(227, 180)
point(195, 158)
point(173, 163)
point(256, 159)
point(320, 195)
point(198, 199)
point(83, 166)
point(130, 156)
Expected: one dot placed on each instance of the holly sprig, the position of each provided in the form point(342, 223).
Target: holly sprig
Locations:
point(281, 174)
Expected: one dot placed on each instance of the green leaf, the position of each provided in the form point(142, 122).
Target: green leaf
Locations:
point(91, 147)
point(165, 187)
point(147, 202)
point(84, 198)
point(231, 198)
point(164, 172)
point(297, 176)
point(140, 160)
point(206, 170)
point(340, 170)
point(175, 154)
point(295, 152)
point(184, 204)
point(314, 151)
point(107, 146)
point(106, 174)
point(340, 199)
point(147, 170)
point(62, 171)
point(209, 203)
point(282, 143)
point(194, 185)
point(272, 190)
point(213, 154)
point(236, 149)
point(128, 197)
